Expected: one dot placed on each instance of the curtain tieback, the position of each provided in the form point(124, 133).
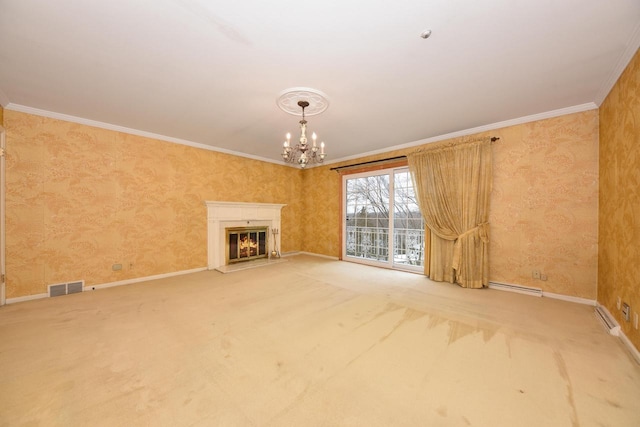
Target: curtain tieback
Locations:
point(482, 230)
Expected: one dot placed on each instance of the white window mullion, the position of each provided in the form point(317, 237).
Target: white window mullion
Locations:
point(392, 208)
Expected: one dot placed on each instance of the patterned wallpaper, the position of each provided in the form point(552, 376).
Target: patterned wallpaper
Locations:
point(619, 257)
point(544, 204)
point(322, 227)
point(544, 207)
point(80, 199)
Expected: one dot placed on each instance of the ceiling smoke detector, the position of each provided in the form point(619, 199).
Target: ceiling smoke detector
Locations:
point(425, 34)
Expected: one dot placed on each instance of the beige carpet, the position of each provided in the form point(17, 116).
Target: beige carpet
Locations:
point(310, 342)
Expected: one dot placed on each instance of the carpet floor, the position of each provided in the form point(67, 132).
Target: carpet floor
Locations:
point(310, 342)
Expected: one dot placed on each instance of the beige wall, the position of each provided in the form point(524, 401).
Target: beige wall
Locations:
point(80, 199)
point(619, 257)
point(544, 205)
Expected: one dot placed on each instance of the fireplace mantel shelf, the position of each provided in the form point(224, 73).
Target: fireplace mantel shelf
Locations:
point(227, 206)
point(221, 214)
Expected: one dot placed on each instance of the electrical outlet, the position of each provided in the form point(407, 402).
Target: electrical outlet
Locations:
point(543, 277)
point(626, 310)
point(535, 274)
point(618, 303)
point(635, 320)
point(116, 267)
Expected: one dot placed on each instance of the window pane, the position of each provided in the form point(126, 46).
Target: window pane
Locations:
point(367, 217)
point(408, 236)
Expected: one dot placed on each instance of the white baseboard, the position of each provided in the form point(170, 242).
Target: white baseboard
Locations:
point(143, 279)
point(577, 300)
point(26, 298)
point(334, 258)
point(110, 284)
point(294, 253)
point(632, 349)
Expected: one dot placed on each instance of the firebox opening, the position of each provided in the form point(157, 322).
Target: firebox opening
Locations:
point(246, 243)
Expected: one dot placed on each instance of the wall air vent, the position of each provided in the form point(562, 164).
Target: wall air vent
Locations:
point(66, 288)
point(57, 290)
point(75, 287)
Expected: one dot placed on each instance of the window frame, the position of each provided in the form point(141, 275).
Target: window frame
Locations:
point(389, 170)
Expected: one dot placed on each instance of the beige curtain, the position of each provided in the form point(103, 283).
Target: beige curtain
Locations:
point(453, 185)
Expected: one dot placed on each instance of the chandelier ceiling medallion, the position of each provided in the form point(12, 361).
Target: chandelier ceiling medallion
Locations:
point(315, 102)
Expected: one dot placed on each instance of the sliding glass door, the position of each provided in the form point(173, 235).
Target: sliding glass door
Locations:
point(408, 225)
point(382, 225)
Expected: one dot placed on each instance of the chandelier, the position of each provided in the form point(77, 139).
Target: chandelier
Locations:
point(303, 153)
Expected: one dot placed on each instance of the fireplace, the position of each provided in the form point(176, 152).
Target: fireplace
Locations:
point(235, 215)
point(246, 244)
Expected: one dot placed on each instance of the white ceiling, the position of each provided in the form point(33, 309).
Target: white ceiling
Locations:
point(209, 72)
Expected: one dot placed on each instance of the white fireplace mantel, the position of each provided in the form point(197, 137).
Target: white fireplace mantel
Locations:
point(221, 215)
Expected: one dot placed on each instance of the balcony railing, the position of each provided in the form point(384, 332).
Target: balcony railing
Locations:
point(373, 243)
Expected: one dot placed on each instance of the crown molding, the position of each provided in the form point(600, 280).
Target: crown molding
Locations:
point(632, 47)
point(485, 128)
point(116, 128)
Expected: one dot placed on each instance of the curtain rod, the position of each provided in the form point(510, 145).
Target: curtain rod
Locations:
point(337, 168)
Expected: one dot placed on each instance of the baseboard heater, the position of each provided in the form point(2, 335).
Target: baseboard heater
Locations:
point(66, 288)
point(535, 292)
point(609, 322)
